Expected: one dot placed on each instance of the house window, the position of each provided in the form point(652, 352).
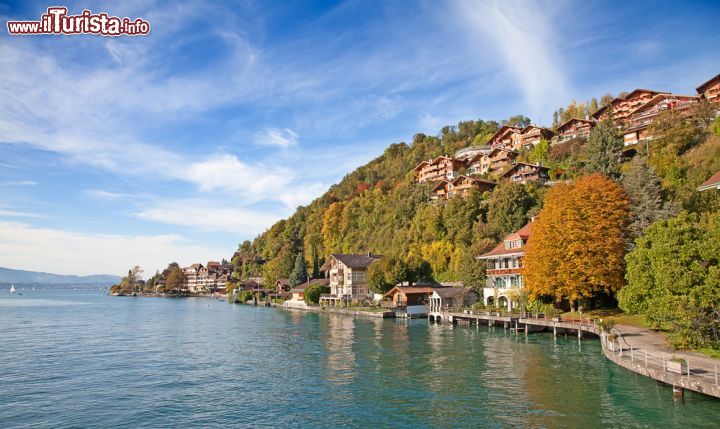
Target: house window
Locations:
point(358, 276)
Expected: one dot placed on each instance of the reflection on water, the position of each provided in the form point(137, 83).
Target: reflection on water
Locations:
point(135, 362)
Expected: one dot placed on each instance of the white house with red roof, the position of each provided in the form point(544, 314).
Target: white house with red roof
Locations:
point(504, 269)
point(712, 183)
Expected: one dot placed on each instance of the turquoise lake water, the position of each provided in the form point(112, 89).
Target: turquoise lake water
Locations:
point(81, 359)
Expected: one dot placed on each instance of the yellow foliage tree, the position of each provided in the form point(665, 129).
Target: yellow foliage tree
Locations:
point(577, 245)
point(438, 254)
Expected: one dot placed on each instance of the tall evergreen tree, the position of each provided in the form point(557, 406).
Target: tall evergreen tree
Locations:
point(646, 197)
point(299, 273)
point(604, 147)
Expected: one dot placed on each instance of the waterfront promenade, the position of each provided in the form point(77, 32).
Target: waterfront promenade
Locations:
point(638, 349)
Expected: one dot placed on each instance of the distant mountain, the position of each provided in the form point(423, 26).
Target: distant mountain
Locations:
point(8, 275)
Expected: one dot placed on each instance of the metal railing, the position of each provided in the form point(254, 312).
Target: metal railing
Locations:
point(616, 344)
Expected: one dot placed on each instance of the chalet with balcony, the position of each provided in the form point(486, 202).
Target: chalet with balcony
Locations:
point(507, 136)
point(712, 183)
point(442, 167)
point(638, 123)
point(620, 109)
point(710, 90)
point(504, 269)
point(500, 159)
point(523, 172)
point(573, 129)
point(532, 134)
point(479, 164)
point(461, 187)
point(347, 275)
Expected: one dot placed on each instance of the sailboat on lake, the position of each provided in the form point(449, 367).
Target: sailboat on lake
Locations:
point(12, 288)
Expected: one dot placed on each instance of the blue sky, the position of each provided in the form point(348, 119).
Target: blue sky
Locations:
point(179, 145)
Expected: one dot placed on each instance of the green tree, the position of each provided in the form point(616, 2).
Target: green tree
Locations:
point(646, 197)
point(603, 150)
point(299, 273)
point(509, 208)
point(386, 273)
point(175, 280)
point(673, 279)
point(472, 271)
point(518, 121)
point(312, 293)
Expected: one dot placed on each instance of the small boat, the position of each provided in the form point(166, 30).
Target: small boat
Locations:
point(12, 288)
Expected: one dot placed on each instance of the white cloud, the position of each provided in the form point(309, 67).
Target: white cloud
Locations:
point(107, 195)
point(522, 33)
point(284, 137)
point(210, 215)
point(19, 183)
point(15, 213)
point(67, 252)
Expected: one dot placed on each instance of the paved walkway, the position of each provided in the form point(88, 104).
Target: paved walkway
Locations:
point(644, 340)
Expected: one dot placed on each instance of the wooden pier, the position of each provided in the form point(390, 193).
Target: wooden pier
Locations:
point(615, 347)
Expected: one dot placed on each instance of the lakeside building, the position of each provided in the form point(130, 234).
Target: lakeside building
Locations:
point(712, 183)
point(211, 278)
point(574, 128)
point(523, 172)
point(446, 298)
point(410, 300)
point(504, 269)
point(442, 167)
point(461, 186)
point(298, 292)
point(710, 90)
point(348, 277)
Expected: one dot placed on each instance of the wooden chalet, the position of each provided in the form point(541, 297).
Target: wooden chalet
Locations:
point(523, 172)
point(506, 137)
point(620, 108)
point(479, 164)
point(442, 167)
point(573, 129)
point(638, 123)
point(500, 159)
point(298, 292)
point(446, 298)
point(461, 186)
point(710, 90)
point(532, 134)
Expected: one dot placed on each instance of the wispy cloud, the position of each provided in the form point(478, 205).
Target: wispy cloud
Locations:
point(284, 137)
point(19, 183)
point(15, 213)
point(523, 34)
point(68, 252)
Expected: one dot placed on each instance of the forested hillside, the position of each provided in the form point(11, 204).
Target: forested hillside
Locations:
point(378, 208)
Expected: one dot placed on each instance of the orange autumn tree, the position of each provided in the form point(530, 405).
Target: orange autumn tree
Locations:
point(578, 242)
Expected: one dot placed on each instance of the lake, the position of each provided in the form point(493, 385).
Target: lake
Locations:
point(83, 359)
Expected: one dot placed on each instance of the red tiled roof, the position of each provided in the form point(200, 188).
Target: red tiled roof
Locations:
point(712, 182)
point(700, 89)
point(500, 249)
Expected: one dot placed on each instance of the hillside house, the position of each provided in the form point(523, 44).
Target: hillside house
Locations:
point(461, 186)
point(532, 134)
point(573, 129)
point(470, 152)
point(638, 123)
point(620, 108)
point(710, 90)
point(712, 183)
point(348, 277)
point(440, 168)
point(523, 172)
point(479, 164)
point(500, 159)
point(504, 269)
point(508, 136)
point(447, 298)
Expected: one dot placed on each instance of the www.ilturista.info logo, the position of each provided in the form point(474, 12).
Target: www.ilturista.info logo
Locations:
point(57, 21)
